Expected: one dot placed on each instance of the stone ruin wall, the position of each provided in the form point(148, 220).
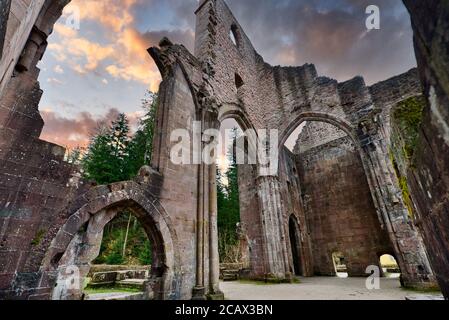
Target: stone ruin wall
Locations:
point(291, 195)
point(36, 184)
point(430, 178)
point(337, 202)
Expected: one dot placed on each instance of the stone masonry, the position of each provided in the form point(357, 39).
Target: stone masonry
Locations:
point(51, 220)
point(430, 190)
point(337, 201)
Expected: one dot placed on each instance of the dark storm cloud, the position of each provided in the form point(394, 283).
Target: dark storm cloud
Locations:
point(184, 37)
point(329, 33)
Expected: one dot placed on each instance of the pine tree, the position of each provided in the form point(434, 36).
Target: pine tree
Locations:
point(228, 203)
point(140, 147)
point(119, 136)
point(97, 160)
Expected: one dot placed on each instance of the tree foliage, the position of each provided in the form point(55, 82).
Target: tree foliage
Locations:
point(228, 204)
point(115, 155)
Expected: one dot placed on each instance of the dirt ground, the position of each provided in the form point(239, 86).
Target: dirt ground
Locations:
point(317, 288)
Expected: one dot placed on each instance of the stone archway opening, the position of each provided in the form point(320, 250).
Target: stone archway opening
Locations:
point(85, 251)
point(123, 265)
point(78, 242)
point(339, 261)
point(232, 238)
point(328, 190)
point(295, 245)
point(389, 266)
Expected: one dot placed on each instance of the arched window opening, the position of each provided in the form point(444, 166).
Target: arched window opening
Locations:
point(234, 36)
point(124, 262)
point(120, 255)
point(232, 241)
point(238, 81)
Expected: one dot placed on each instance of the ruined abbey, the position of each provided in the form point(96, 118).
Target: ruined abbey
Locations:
point(338, 192)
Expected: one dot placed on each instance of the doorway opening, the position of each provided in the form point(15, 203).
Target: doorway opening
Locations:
point(295, 245)
point(119, 253)
point(232, 240)
point(124, 262)
point(390, 267)
point(339, 262)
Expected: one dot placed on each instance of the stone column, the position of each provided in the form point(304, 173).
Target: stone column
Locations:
point(406, 241)
point(199, 292)
point(274, 241)
point(214, 259)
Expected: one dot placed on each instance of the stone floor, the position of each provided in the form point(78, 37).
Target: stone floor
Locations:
point(319, 288)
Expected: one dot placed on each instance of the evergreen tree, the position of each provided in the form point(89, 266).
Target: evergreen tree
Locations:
point(228, 204)
point(141, 145)
point(97, 163)
point(119, 141)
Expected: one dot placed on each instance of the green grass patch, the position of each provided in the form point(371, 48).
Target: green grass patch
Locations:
point(435, 290)
point(110, 290)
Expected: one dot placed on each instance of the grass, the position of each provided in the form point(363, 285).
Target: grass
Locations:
point(435, 290)
point(110, 290)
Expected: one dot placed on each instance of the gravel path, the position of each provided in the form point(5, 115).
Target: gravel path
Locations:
point(316, 288)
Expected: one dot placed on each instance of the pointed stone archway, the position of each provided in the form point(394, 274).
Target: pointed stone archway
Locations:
point(78, 242)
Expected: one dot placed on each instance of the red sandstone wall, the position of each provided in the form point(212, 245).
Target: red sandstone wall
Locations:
point(339, 209)
point(293, 205)
point(34, 189)
point(430, 21)
point(251, 219)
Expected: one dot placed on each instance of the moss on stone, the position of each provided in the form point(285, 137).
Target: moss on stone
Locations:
point(38, 238)
point(406, 195)
point(408, 117)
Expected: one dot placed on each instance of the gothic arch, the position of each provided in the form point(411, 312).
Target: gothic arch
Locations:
point(103, 205)
point(322, 117)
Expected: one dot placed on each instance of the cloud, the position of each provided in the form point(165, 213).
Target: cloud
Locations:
point(55, 81)
point(58, 69)
point(77, 131)
point(330, 34)
point(122, 53)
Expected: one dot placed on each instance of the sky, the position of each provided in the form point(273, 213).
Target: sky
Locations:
point(91, 73)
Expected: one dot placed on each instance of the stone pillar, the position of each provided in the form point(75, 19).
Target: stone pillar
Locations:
point(430, 177)
point(75, 263)
point(5, 6)
point(214, 259)
point(406, 241)
point(199, 291)
point(274, 239)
